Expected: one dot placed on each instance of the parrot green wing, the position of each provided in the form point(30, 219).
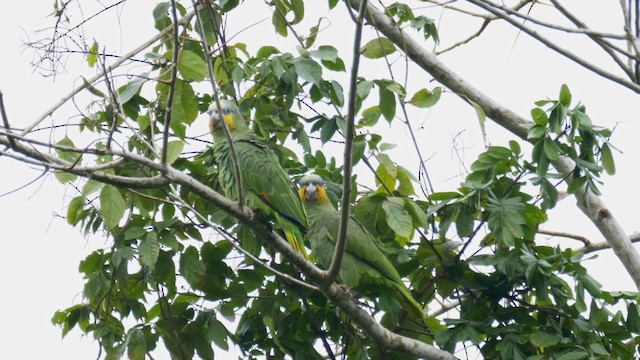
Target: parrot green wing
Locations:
point(365, 266)
point(263, 175)
point(266, 184)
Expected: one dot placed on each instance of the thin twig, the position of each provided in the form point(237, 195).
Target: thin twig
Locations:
point(560, 50)
point(5, 120)
point(216, 97)
point(114, 100)
point(334, 268)
point(172, 83)
point(86, 84)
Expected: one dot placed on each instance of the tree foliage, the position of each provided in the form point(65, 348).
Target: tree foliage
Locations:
point(189, 272)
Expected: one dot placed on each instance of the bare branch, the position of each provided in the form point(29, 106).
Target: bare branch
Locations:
point(5, 121)
point(605, 45)
point(591, 205)
point(567, 235)
point(172, 81)
point(345, 215)
point(185, 19)
point(560, 50)
point(635, 237)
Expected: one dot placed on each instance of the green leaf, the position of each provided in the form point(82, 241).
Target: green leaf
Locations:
point(191, 268)
point(192, 67)
point(128, 90)
point(378, 48)
point(543, 339)
point(536, 132)
point(336, 65)
point(325, 52)
point(112, 206)
point(137, 347)
point(92, 57)
point(358, 151)
point(217, 333)
point(551, 150)
point(398, 217)
point(607, 160)
point(565, 95)
point(591, 285)
point(73, 210)
point(149, 250)
point(174, 150)
point(574, 355)
point(425, 98)
point(506, 219)
point(418, 215)
point(576, 184)
point(539, 116)
point(387, 103)
point(64, 177)
point(482, 118)
point(328, 129)
point(465, 222)
point(370, 116)
point(308, 70)
point(65, 155)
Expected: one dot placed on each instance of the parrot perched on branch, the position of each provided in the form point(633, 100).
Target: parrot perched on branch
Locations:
point(266, 185)
point(365, 268)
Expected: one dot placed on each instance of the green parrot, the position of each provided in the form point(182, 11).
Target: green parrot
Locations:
point(266, 185)
point(365, 268)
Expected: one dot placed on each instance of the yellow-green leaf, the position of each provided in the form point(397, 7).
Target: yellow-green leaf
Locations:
point(607, 160)
point(174, 150)
point(378, 48)
point(92, 57)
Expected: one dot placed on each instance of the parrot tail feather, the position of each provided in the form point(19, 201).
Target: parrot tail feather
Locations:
point(293, 241)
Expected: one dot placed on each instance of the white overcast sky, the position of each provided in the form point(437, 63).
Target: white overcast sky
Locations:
point(40, 255)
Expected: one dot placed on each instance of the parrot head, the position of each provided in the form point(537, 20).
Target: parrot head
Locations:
point(312, 189)
point(229, 112)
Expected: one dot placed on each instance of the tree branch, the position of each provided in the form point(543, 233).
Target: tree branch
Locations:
point(172, 81)
point(571, 56)
point(382, 336)
point(591, 205)
point(345, 214)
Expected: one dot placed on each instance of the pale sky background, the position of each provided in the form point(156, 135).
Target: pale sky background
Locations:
point(41, 253)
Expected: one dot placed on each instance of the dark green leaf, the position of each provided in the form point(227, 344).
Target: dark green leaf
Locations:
point(308, 70)
point(149, 249)
point(387, 103)
point(398, 218)
point(112, 206)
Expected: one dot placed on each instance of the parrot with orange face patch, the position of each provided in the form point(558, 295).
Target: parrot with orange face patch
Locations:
point(266, 185)
point(365, 268)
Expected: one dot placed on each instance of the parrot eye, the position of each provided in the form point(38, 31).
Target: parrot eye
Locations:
point(226, 111)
